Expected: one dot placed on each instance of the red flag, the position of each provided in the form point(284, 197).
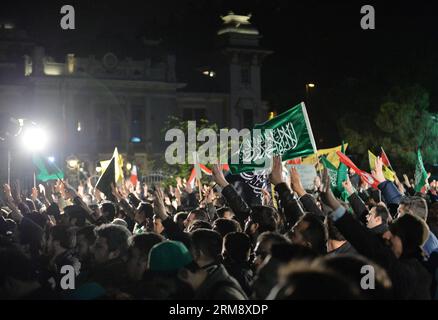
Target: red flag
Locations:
point(134, 178)
point(294, 161)
point(385, 159)
point(192, 178)
point(205, 170)
point(364, 175)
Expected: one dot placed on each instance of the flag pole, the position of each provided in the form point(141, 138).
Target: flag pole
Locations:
point(274, 200)
point(199, 187)
point(56, 173)
point(9, 167)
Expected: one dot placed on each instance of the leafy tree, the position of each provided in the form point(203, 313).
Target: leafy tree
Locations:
point(183, 170)
point(401, 125)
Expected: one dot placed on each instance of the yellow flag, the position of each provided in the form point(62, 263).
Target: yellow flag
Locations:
point(118, 165)
point(330, 154)
point(388, 173)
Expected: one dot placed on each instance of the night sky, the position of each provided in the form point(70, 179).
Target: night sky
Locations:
point(313, 41)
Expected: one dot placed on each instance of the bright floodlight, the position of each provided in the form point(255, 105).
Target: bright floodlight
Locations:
point(51, 159)
point(34, 138)
point(311, 85)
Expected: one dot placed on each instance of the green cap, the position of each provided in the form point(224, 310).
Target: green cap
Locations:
point(169, 256)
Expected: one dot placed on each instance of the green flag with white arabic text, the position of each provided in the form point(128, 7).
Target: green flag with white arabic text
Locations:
point(288, 135)
point(420, 173)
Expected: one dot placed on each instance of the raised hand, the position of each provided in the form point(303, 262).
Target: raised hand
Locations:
point(377, 173)
point(7, 192)
point(266, 197)
point(208, 195)
point(97, 195)
point(295, 182)
point(276, 176)
point(138, 188)
point(159, 206)
point(145, 190)
point(178, 196)
point(188, 187)
point(115, 192)
point(406, 181)
point(81, 189)
point(34, 194)
point(317, 183)
point(327, 195)
point(178, 182)
point(218, 176)
point(348, 186)
point(70, 192)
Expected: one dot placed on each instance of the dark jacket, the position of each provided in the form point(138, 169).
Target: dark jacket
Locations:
point(346, 248)
point(409, 277)
point(237, 204)
point(291, 207)
point(390, 193)
point(173, 232)
point(111, 274)
point(380, 229)
point(242, 273)
point(359, 208)
point(219, 285)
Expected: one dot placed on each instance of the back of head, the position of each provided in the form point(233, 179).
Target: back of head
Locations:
point(221, 211)
point(199, 224)
point(225, 226)
point(266, 217)
point(318, 284)
point(237, 246)
point(38, 218)
point(416, 206)
point(272, 238)
point(64, 235)
point(116, 236)
point(199, 214)
point(315, 233)
point(77, 213)
point(120, 222)
point(109, 211)
point(180, 217)
point(207, 242)
point(333, 232)
point(354, 267)
point(145, 241)
point(88, 233)
point(413, 232)
point(286, 252)
point(14, 265)
point(146, 209)
point(432, 216)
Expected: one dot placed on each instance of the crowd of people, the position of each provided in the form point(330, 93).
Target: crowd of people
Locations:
point(144, 242)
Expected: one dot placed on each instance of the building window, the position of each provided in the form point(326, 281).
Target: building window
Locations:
point(193, 114)
point(116, 129)
point(101, 122)
point(137, 123)
point(245, 75)
point(248, 118)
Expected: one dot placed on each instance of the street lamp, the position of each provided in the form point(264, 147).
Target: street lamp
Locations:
point(34, 138)
point(308, 87)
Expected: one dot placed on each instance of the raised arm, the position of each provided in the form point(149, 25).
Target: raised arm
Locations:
point(236, 203)
point(291, 207)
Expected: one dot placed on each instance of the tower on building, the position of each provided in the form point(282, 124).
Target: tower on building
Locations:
point(239, 41)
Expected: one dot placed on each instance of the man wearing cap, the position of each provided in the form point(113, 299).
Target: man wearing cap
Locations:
point(173, 257)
